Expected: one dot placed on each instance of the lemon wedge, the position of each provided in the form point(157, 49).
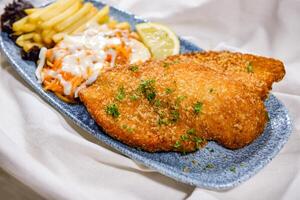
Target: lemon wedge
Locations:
point(161, 41)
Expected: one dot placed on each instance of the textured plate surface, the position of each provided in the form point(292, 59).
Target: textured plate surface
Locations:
point(213, 167)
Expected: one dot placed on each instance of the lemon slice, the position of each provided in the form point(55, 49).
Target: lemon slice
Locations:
point(161, 41)
point(140, 53)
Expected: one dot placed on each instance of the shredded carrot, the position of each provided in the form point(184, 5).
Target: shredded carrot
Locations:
point(67, 75)
point(49, 54)
point(57, 64)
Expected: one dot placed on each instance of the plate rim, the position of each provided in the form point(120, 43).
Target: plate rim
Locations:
point(181, 177)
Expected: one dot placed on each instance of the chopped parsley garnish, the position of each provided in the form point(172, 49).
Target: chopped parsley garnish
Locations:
point(194, 162)
point(162, 121)
point(174, 115)
point(168, 90)
point(198, 141)
point(147, 88)
point(209, 166)
point(211, 90)
point(133, 97)
point(121, 94)
point(161, 113)
point(191, 131)
point(267, 116)
point(184, 137)
point(180, 99)
point(198, 107)
point(210, 150)
point(232, 169)
point(112, 110)
point(127, 128)
point(134, 68)
point(250, 68)
point(166, 64)
point(186, 169)
point(177, 144)
point(157, 103)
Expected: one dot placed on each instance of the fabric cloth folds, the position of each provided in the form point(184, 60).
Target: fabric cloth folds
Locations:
point(58, 160)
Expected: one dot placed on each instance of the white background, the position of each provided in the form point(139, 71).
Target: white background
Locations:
point(58, 160)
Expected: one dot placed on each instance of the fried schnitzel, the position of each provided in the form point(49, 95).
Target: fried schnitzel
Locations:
point(178, 103)
point(256, 72)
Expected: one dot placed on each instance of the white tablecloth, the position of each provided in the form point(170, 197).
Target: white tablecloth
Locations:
point(60, 161)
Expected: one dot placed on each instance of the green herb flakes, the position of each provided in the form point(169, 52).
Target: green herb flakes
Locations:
point(267, 116)
point(165, 64)
point(195, 162)
point(174, 115)
point(179, 100)
point(147, 88)
point(177, 144)
point(198, 141)
point(162, 121)
point(127, 128)
point(250, 68)
point(133, 97)
point(168, 90)
point(211, 150)
point(112, 110)
point(209, 166)
point(134, 68)
point(121, 94)
point(198, 107)
point(191, 131)
point(232, 169)
point(184, 137)
point(157, 103)
point(186, 169)
point(211, 90)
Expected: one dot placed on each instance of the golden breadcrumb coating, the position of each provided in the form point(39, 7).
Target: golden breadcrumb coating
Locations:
point(178, 103)
point(256, 72)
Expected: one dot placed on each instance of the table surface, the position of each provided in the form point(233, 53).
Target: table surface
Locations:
point(54, 159)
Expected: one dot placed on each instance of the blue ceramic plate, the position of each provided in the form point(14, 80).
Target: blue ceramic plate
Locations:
point(213, 167)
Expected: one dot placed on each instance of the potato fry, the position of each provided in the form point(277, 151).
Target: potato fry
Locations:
point(55, 20)
point(17, 26)
point(112, 24)
point(34, 17)
point(31, 10)
point(81, 22)
point(47, 36)
point(18, 33)
point(68, 22)
point(28, 45)
point(123, 25)
point(22, 38)
point(102, 15)
point(45, 33)
point(58, 37)
point(28, 28)
point(48, 25)
point(103, 20)
point(37, 37)
point(58, 10)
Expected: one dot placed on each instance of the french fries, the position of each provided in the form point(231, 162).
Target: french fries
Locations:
point(48, 25)
point(68, 22)
point(81, 22)
point(101, 17)
point(57, 10)
point(31, 10)
point(64, 15)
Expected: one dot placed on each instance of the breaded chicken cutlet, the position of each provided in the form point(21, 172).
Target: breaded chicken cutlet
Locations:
point(178, 103)
point(256, 72)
